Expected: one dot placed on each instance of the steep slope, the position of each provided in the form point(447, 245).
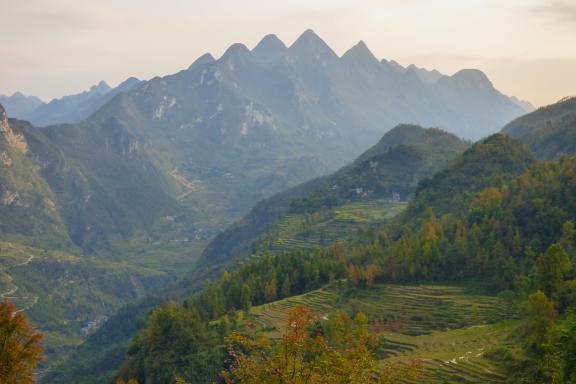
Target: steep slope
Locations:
point(74, 108)
point(115, 187)
point(28, 205)
point(396, 164)
point(99, 181)
point(514, 211)
point(489, 163)
point(62, 210)
point(434, 149)
point(18, 104)
point(550, 131)
point(158, 169)
point(254, 122)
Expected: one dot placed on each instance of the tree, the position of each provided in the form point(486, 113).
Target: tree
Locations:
point(361, 325)
point(567, 296)
point(271, 289)
point(371, 273)
point(303, 355)
point(541, 316)
point(246, 297)
point(551, 267)
point(20, 348)
point(563, 342)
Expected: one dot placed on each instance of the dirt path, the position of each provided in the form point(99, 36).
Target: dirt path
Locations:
point(10, 293)
point(191, 186)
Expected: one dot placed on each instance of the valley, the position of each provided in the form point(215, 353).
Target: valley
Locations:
point(287, 214)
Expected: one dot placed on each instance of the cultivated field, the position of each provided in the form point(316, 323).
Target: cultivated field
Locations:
point(443, 327)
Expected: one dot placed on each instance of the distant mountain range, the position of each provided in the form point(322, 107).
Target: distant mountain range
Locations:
point(19, 104)
point(75, 108)
point(66, 110)
point(145, 174)
point(392, 93)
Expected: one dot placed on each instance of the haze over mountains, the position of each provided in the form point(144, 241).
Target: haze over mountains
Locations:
point(395, 165)
point(467, 188)
point(386, 77)
point(68, 109)
point(234, 130)
point(19, 104)
point(75, 108)
point(121, 189)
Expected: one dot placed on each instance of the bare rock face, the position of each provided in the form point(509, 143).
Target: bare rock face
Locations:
point(13, 139)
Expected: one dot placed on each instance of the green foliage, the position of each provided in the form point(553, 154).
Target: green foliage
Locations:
point(541, 314)
point(488, 217)
point(489, 163)
point(549, 131)
point(186, 340)
point(495, 235)
point(502, 222)
point(551, 267)
point(402, 158)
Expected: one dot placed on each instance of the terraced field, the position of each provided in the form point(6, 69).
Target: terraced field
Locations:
point(63, 293)
point(443, 327)
point(304, 231)
point(455, 356)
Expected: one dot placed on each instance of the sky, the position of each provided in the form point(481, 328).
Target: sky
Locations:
point(51, 48)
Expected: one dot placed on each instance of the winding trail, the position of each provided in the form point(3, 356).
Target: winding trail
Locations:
point(9, 294)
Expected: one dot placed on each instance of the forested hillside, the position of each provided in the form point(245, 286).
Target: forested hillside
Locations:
point(118, 193)
point(514, 224)
point(390, 170)
point(72, 199)
point(549, 131)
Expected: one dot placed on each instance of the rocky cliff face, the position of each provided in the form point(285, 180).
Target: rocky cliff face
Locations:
point(15, 140)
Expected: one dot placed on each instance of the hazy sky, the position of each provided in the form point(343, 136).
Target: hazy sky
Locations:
point(54, 47)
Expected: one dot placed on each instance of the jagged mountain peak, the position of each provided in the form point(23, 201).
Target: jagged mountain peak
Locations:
point(269, 42)
point(269, 48)
point(394, 64)
point(310, 43)
point(128, 83)
point(206, 58)
point(425, 75)
point(236, 50)
point(360, 53)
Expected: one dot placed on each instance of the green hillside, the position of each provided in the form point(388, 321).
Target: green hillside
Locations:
point(295, 231)
point(549, 131)
point(509, 218)
point(395, 165)
point(68, 296)
point(451, 331)
point(88, 223)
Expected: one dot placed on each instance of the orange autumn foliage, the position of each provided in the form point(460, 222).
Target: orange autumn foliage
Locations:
point(304, 356)
point(20, 348)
